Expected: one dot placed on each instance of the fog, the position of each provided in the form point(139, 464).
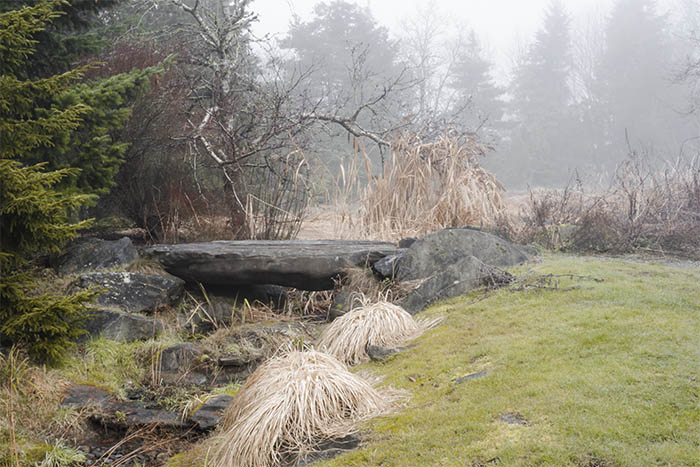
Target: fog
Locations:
point(553, 88)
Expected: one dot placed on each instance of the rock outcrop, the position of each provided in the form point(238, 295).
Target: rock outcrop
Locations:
point(133, 292)
point(455, 261)
point(94, 254)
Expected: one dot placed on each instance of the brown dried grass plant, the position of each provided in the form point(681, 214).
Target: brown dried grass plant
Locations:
point(428, 186)
point(381, 323)
point(289, 405)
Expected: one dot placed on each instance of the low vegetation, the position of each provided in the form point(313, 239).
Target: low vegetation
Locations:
point(598, 368)
point(381, 324)
point(646, 208)
point(289, 405)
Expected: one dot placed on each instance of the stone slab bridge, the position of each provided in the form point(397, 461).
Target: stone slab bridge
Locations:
point(303, 264)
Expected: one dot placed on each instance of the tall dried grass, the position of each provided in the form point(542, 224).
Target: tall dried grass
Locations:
point(380, 323)
point(424, 187)
point(289, 405)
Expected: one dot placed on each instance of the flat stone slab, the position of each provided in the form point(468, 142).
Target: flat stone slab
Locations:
point(303, 264)
point(478, 374)
point(130, 414)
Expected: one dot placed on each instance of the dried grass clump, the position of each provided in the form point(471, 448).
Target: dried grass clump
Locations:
point(292, 403)
point(430, 186)
point(381, 323)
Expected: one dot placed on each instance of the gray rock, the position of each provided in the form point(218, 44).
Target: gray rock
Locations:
point(82, 396)
point(91, 254)
point(407, 242)
point(133, 292)
point(455, 279)
point(513, 418)
point(378, 353)
point(180, 357)
point(120, 326)
point(130, 414)
point(388, 266)
point(208, 415)
point(477, 375)
point(183, 364)
point(238, 359)
point(435, 252)
point(341, 303)
point(325, 451)
point(134, 414)
point(306, 265)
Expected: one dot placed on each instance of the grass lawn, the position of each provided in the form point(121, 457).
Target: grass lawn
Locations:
point(603, 375)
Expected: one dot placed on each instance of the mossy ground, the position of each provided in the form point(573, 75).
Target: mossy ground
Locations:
point(604, 374)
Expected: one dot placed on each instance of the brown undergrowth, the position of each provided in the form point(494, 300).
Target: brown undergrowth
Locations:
point(646, 209)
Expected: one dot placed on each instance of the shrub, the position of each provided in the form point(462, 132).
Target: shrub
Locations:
point(424, 187)
point(645, 209)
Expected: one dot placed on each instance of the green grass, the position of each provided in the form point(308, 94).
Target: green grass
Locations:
point(606, 374)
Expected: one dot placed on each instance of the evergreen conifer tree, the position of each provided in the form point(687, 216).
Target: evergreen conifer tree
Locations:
point(541, 105)
point(476, 89)
point(34, 215)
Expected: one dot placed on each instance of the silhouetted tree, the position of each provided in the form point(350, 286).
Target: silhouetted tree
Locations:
point(478, 96)
point(540, 146)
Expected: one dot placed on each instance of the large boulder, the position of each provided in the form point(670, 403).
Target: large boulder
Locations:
point(456, 279)
point(455, 261)
point(133, 292)
point(92, 254)
point(433, 253)
point(123, 327)
point(303, 264)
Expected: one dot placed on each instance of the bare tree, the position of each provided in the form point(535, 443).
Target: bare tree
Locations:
point(250, 113)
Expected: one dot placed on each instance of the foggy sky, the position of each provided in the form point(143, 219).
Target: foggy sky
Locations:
point(501, 24)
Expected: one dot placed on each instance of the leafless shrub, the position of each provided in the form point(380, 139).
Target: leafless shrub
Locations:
point(277, 196)
point(645, 209)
